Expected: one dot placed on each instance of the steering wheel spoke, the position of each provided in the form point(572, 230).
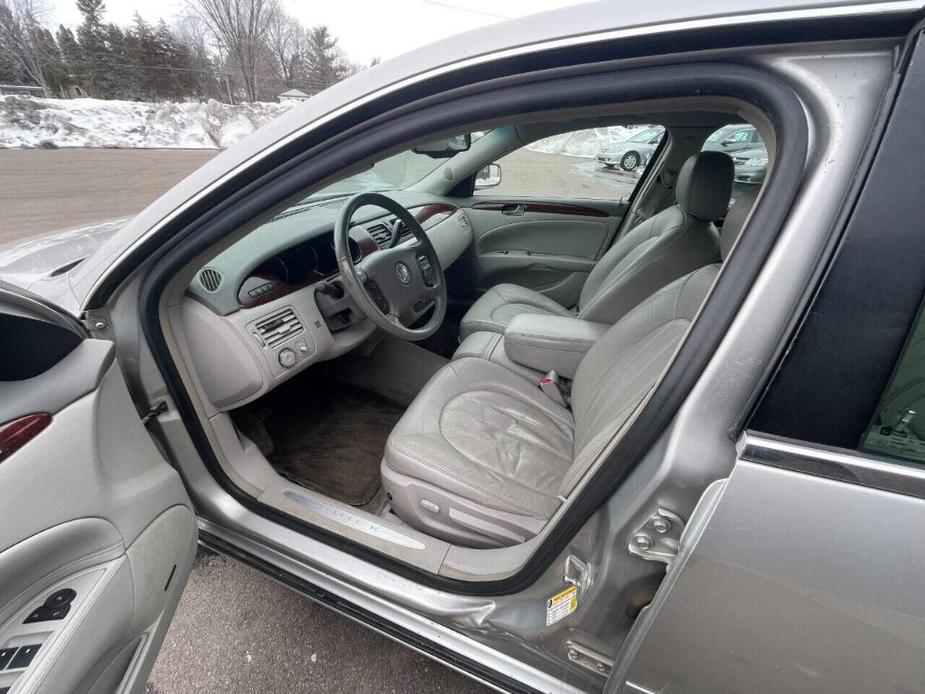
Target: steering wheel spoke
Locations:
point(395, 284)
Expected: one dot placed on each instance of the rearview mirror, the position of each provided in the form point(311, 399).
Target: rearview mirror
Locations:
point(445, 148)
point(489, 177)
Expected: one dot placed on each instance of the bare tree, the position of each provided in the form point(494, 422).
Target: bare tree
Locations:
point(285, 41)
point(240, 29)
point(24, 40)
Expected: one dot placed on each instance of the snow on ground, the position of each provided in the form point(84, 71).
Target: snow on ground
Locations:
point(583, 143)
point(31, 122)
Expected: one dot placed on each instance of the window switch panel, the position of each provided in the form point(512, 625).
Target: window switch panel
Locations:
point(24, 656)
point(6, 654)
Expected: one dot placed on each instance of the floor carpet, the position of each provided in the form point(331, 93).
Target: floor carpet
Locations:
point(330, 437)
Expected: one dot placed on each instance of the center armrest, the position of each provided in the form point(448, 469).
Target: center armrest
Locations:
point(548, 343)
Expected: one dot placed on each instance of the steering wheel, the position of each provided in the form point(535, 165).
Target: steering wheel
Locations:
point(394, 287)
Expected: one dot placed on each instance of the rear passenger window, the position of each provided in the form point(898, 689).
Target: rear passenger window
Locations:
point(597, 163)
point(898, 425)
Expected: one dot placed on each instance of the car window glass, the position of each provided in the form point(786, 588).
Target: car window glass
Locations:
point(392, 173)
point(597, 163)
point(748, 152)
point(898, 425)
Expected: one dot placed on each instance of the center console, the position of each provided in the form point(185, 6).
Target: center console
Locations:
point(534, 344)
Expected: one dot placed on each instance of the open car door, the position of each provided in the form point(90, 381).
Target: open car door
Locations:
point(98, 534)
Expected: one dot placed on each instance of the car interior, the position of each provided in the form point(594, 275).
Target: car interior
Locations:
point(428, 356)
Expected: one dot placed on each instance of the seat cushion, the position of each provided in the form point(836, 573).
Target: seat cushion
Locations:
point(496, 307)
point(485, 434)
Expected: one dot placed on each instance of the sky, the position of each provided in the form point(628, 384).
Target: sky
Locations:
point(366, 29)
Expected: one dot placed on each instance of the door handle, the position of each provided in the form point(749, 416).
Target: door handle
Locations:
point(514, 210)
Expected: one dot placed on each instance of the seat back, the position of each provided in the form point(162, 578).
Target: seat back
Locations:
point(666, 246)
point(626, 362)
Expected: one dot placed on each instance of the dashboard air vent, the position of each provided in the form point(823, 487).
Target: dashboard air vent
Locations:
point(381, 234)
point(210, 278)
point(278, 327)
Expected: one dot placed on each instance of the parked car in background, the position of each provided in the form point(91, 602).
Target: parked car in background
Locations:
point(632, 153)
point(660, 458)
point(751, 165)
point(733, 138)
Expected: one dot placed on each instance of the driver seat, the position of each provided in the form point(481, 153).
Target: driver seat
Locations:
point(483, 457)
point(672, 243)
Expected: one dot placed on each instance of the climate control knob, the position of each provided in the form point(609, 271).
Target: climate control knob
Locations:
point(287, 358)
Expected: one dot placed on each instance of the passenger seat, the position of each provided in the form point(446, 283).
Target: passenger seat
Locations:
point(490, 345)
point(669, 245)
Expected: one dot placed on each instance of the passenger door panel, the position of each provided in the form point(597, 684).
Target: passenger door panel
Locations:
point(98, 535)
point(549, 246)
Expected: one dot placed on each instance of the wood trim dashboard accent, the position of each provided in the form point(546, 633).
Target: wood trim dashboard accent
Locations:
point(427, 215)
point(279, 289)
point(543, 207)
point(431, 215)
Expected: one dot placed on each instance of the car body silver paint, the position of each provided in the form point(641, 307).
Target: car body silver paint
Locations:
point(856, 467)
point(697, 449)
point(391, 610)
point(582, 24)
point(694, 452)
point(826, 568)
point(28, 261)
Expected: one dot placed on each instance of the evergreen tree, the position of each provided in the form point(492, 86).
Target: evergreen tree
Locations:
point(324, 61)
point(71, 56)
point(91, 38)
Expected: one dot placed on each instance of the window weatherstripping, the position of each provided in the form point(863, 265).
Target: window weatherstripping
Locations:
point(848, 466)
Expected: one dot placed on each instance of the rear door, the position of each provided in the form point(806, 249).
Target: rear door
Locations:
point(554, 213)
point(98, 534)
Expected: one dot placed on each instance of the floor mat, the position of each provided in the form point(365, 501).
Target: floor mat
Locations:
point(330, 438)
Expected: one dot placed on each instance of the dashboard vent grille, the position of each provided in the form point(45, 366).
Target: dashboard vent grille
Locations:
point(210, 278)
point(381, 234)
point(278, 327)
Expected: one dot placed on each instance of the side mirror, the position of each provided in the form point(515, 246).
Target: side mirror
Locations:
point(446, 148)
point(728, 141)
point(489, 177)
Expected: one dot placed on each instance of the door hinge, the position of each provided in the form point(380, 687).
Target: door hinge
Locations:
point(578, 573)
point(588, 658)
point(658, 538)
point(156, 410)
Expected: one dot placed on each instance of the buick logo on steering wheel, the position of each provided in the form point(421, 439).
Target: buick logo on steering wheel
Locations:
point(403, 273)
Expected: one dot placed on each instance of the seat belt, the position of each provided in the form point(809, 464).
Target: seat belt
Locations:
point(552, 385)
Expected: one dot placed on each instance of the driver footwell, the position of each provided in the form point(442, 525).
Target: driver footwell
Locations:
point(324, 435)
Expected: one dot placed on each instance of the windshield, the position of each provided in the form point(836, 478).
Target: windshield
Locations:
point(393, 173)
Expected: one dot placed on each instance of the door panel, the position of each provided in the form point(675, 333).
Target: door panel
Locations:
point(98, 535)
point(549, 246)
point(818, 594)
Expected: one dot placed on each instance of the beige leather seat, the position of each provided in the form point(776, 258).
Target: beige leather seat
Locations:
point(483, 457)
point(670, 244)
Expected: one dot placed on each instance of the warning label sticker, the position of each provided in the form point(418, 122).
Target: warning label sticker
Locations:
point(561, 605)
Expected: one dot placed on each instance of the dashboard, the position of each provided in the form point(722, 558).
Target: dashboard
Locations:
point(272, 303)
point(298, 266)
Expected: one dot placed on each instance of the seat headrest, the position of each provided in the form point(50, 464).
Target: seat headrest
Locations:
point(735, 220)
point(705, 184)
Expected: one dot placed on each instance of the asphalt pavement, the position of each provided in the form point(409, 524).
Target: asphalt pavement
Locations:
point(237, 631)
point(45, 190)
